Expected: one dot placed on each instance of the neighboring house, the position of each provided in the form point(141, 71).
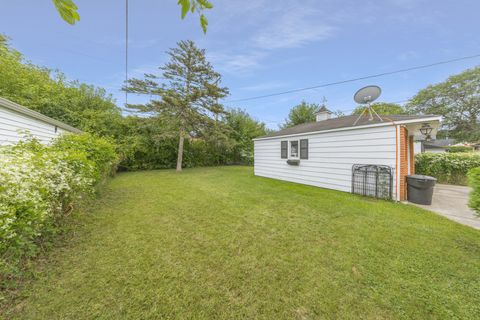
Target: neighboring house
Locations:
point(437, 146)
point(323, 153)
point(15, 120)
point(418, 146)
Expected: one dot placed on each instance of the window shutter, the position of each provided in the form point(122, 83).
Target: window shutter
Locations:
point(284, 150)
point(304, 149)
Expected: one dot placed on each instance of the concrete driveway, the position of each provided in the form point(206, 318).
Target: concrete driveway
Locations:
point(451, 202)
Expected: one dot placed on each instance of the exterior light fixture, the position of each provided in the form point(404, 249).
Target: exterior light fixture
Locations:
point(425, 130)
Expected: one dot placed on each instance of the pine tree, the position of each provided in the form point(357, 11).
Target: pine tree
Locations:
point(189, 91)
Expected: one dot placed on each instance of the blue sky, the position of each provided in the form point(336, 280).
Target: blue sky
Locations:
point(260, 47)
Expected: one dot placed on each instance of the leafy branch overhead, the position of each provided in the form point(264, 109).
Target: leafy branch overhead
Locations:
point(196, 6)
point(68, 10)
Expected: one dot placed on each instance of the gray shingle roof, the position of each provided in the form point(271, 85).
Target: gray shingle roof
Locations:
point(440, 143)
point(342, 122)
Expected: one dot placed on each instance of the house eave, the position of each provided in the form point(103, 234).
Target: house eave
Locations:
point(381, 124)
point(36, 115)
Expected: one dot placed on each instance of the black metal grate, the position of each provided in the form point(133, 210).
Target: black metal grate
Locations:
point(372, 180)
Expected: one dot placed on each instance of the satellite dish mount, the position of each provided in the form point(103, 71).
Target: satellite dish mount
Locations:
point(365, 96)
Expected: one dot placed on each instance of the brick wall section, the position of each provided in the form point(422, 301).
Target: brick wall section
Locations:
point(412, 154)
point(403, 162)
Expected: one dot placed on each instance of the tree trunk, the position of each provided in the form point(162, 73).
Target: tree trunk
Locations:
point(180, 151)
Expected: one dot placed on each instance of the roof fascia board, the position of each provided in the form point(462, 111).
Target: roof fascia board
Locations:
point(36, 115)
point(439, 118)
point(382, 124)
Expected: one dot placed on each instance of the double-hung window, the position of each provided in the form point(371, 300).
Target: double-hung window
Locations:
point(294, 149)
point(284, 150)
point(303, 148)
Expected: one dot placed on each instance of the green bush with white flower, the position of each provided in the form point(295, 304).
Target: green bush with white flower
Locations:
point(39, 183)
point(451, 168)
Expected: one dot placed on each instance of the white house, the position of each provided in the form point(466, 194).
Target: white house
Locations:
point(435, 146)
point(323, 153)
point(16, 119)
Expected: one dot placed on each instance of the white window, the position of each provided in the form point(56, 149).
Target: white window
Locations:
point(294, 149)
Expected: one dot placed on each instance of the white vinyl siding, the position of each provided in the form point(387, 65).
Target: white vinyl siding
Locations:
point(13, 123)
point(331, 156)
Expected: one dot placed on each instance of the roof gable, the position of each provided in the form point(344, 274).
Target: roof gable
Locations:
point(323, 109)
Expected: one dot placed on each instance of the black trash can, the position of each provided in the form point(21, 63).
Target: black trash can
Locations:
point(420, 189)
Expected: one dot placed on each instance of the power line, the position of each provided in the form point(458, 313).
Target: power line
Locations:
point(356, 79)
point(126, 51)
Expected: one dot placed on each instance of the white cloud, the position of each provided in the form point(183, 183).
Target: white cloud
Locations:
point(264, 86)
point(407, 4)
point(408, 55)
point(139, 71)
point(270, 26)
point(250, 13)
point(235, 63)
point(294, 28)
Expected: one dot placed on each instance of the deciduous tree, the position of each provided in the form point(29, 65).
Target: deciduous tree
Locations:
point(457, 99)
point(302, 113)
point(243, 129)
point(83, 106)
point(382, 108)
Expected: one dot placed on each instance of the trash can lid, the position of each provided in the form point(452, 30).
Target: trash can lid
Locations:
point(420, 177)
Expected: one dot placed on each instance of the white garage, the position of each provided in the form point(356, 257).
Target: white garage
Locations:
point(325, 153)
point(15, 120)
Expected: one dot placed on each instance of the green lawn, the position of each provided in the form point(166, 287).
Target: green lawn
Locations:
point(220, 243)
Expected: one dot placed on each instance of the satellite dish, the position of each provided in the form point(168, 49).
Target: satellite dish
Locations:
point(367, 95)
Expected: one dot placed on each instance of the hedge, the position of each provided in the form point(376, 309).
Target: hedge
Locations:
point(461, 149)
point(39, 183)
point(451, 168)
point(474, 182)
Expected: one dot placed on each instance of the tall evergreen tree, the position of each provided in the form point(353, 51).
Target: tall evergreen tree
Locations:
point(189, 91)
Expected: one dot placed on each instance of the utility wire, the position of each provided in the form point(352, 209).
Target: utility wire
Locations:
point(126, 51)
point(300, 89)
point(356, 79)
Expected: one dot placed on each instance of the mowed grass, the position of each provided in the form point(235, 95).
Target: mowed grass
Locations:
point(220, 243)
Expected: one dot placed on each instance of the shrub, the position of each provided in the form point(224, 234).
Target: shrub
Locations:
point(474, 182)
point(449, 168)
point(456, 149)
point(98, 150)
point(38, 182)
